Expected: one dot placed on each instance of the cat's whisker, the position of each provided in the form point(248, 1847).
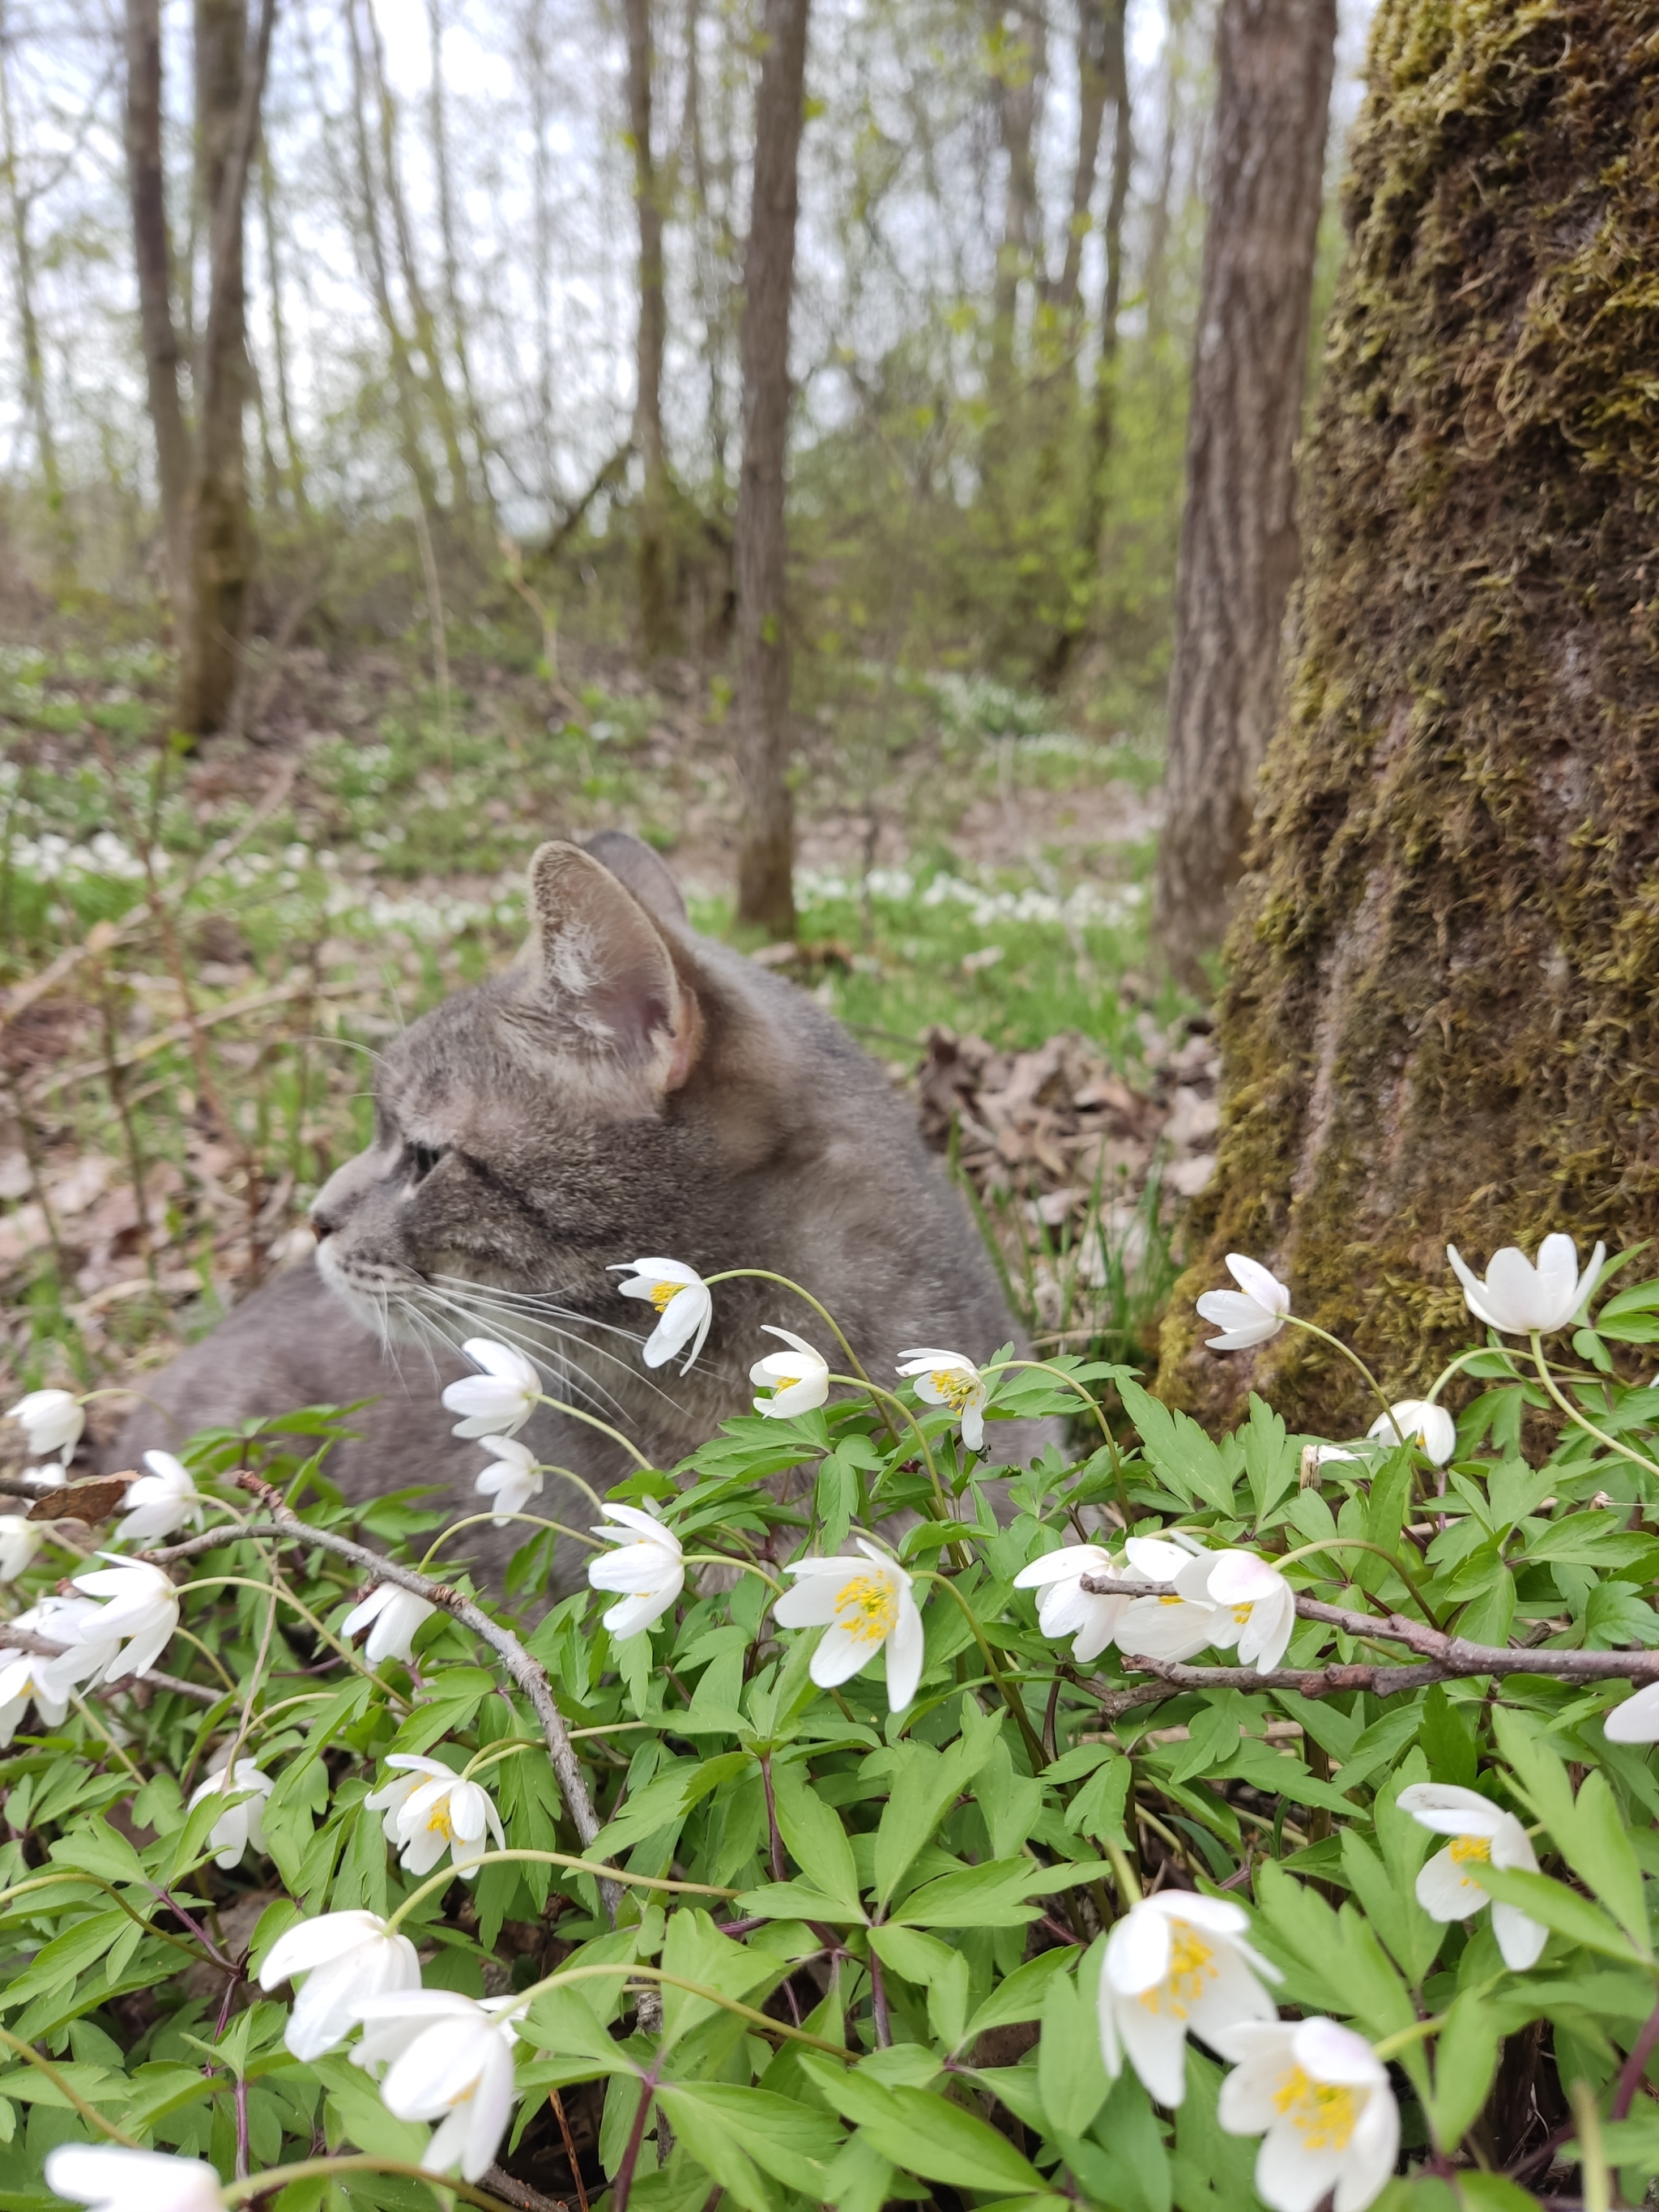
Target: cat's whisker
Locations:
point(540, 1302)
point(573, 1380)
point(484, 1302)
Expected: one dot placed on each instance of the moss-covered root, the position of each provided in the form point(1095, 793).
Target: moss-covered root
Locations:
point(1440, 1021)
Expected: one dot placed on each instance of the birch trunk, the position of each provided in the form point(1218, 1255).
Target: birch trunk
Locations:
point(655, 552)
point(153, 255)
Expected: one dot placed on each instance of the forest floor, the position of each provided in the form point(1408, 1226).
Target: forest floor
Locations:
point(199, 949)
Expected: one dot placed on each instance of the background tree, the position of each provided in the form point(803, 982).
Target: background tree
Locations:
point(202, 469)
point(766, 853)
point(655, 550)
point(1440, 1024)
point(1238, 539)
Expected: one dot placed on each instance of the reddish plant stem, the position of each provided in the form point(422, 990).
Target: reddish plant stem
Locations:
point(630, 2157)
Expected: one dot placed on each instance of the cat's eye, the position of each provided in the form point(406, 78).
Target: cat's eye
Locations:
point(421, 1159)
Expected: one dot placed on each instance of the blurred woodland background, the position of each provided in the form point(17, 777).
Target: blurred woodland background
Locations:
point(427, 425)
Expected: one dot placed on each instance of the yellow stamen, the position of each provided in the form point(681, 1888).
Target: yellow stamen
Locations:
point(1191, 1962)
point(1465, 1848)
point(1172, 1600)
point(867, 1609)
point(664, 1294)
point(954, 1386)
point(1242, 1614)
point(437, 1820)
point(1324, 2113)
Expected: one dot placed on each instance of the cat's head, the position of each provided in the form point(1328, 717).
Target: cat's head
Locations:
point(532, 1131)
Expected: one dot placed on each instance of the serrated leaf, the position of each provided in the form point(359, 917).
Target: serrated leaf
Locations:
point(925, 2134)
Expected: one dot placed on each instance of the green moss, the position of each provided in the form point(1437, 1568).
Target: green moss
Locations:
point(1443, 1018)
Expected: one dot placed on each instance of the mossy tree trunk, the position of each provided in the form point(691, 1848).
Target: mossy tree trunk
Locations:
point(1443, 1016)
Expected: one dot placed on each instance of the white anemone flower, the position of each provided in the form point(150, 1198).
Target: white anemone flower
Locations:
point(1319, 2096)
point(19, 1540)
point(513, 1481)
point(160, 1501)
point(1519, 1299)
point(1257, 1608)
point(684, 1306)
point(1065, 1607)
point(430, 1809)
point(392, 1616)
point(1176, 1964)
point(647, 1568)
point(23, 1675)
point(112, 2178)
point(1635, 1721)
point(1481, 1834)
point(864, 1606)
point(948, 1378)
point(1249, 1315)
point(53, 1420)
point(238, 1825)
point(346, 1957)
point(798, 1379)
point(1176, 1623)
point(498, 1402)
point(448, 2058)
point(1418, 1422)
point(125, 1637)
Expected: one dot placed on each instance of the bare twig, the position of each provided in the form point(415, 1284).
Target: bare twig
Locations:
point(25, 1639)
point(519, 2193)
point(179, 1033)
point(520, 1665)
point(1447, 1658)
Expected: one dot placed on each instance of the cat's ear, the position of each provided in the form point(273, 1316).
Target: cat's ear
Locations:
point(600, 968)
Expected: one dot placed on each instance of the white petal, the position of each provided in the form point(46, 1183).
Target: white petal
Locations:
point(1256, 1282)
point(1069, 1560)
point(904, 1656)
point(1519, 1939)
point(1289, 2177)
point(1137, 1950)
point(1156, 2044)
point(1635, 1721)
point(1445, 1892)
point(840, 1656)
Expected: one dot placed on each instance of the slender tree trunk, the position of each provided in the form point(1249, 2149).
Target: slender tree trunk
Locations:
point(453, 307)
point(1103, 412)
point(710, 292)
point(152, 252)
point(765, 863)
point(655, 549)
point(1093, 90)
point(425, 329)
point(373, 249)
point(1162, 213)
point(28, 328)
point(1238, 541)
point(293, 474)
point(1017, 57)
point(1441, 1022)
point(230, 74)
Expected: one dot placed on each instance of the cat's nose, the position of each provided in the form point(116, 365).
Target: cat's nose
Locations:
point(323, 1224)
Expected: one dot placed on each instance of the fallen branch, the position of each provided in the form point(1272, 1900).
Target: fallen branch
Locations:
point(1447, 1658)
point(291, 1528)
point(43, 1647)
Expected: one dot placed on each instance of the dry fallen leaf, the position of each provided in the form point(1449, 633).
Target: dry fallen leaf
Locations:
point(90, 1502)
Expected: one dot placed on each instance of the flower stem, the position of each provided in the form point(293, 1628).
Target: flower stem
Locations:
point(1577, 1418)
point(1312, 1329)
point(578, 1413)
point(1362, 1544)
point(1015, 1705)
point(535, 1520)
point(446, 1875)
point(766, 1275)
point(719, 1559)
point(311, 2169)
point(72, 2097)
point(885, 1398)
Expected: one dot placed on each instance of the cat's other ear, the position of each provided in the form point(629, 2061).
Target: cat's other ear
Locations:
point(633, 862)
point(599, 968)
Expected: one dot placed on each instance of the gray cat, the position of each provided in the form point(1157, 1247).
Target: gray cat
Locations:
point(625, 1088)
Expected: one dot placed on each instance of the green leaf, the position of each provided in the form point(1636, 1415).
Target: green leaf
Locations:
point(696, 1950)
point(939, 1968)
point(1271, 1460)
point(812, 1831)
point(1186, 1458)
point(66, 1956)
point(1071, 2076)
point(1598, 1849)
point(1465, 2061)
point(1020, 1996)
point(924, 2133)
point(927, 1783)
point(989, 1896)
point(791, 2142)
point(1097, 1809)
point(1556, 1907)
point(1494, 2192)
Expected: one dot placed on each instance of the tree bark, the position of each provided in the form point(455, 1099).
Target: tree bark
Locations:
point(153, 253)
point(766, 854)
point(453, 303)
point(1441, 1025)
point(655, 550)
point(294, 473)
point(1238, 541)
point(230, 76)
point(1018, 57)
point(1093, 90)
point(1114, 65)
